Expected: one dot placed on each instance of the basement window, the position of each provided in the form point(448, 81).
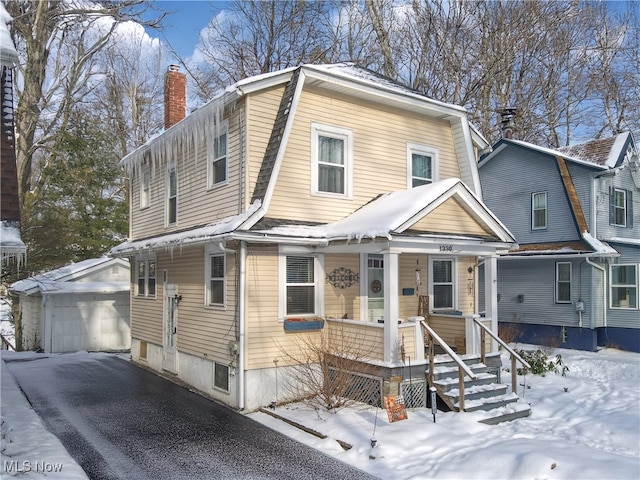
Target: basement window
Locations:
point(221, 376)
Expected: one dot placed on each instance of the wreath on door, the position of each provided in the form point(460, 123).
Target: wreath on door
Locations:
point(376, 286)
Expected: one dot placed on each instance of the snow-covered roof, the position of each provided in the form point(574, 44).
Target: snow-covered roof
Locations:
point(213, 230)
point(8, 53)
point(587, 247)
point(54, 280)
point(393, 213)
point(607, 152)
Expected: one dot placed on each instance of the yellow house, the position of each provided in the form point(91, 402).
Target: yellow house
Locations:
point(322, 198)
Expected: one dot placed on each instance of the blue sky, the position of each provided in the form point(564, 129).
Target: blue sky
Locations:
point(184, 22)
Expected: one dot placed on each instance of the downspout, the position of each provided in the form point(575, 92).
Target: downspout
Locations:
point(604, 292)
point(241, 327)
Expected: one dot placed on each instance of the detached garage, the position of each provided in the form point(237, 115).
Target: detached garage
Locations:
point(83, 306)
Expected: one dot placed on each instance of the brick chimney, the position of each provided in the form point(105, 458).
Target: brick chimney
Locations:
point(175, 96)
point(506, 120)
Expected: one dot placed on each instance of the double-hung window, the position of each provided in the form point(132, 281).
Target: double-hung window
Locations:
point(300, 286)
point(217, 160)
point(172, 195)
point(539, 210)
point(422, 165)
point(332, 158)
point(216, 279)
point(145, 187)
point(563, 282)
point(146, 277)
point(624, 286)
point(443, 283)
point(620, 207)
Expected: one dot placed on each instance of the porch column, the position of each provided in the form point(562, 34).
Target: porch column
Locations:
point(391, 307)
point(491, 295)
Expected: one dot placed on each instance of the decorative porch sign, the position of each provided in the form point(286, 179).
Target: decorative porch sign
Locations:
point(342, 278)
point(396, 408)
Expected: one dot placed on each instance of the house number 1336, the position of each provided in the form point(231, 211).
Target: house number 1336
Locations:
point(446, 248)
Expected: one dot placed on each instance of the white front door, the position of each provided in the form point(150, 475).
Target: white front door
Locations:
point(375, 287)
point(170, 337)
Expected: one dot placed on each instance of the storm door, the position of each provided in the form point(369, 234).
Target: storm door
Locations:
point(375, 287)
point(170, 337)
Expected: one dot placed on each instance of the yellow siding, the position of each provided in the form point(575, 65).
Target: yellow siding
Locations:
point(196, 204)
point(450, 217)
point(202, 331)
point(408, 263)
point(262, 108)
point(466, 289)
point(448, 328)
point(342, 301)
point(380, 137)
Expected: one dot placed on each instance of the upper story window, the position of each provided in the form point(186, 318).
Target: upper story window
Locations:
point(563, 282)
point(332, 161)
point(539, 210)
point(620, 207)
point(146, 277)
point(217, 164)
point(443, 283)
point(172, 195)
point(624, 286)
point(145, 187)
point(215, 279)
point(422, 165)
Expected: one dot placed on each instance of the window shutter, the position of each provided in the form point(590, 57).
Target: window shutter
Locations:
point(629, 209)
point(612, 206)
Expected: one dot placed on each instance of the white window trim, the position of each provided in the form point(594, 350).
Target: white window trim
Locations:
point(454, 281)
point(546, 211)
point(146, 259)
point(422, 150)
point(223, 129)
point(318, 275)
point(145, 181)
point(612, 286)
point(214, 251)
point(318, 129)
point(171, 167)
point(558, 282)
point(623, 208)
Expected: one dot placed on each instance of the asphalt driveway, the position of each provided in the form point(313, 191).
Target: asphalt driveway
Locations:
point(119, 421)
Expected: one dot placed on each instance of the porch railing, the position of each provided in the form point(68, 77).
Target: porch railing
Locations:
point(512, 354)
point(433, 338)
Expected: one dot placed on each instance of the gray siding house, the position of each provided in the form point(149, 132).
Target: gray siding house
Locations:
point(573, 279)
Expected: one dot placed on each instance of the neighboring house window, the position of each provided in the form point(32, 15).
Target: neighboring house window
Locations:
point(422, 165)
point(145, 185)
point(146, 278)
point(443, 283)
point(563, 282)
point(300, 286)
point(539, 210)
point(620, 207)
point(217, 161)
point(221, 377)
point(331, 160)
point(624, 286)
point(215, 279)
point(172, 195)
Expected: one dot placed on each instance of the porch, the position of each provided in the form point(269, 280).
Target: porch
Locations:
point(466, 380)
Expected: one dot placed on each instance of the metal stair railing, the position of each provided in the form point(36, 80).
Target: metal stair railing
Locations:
point(512, 354)
point(462, 367)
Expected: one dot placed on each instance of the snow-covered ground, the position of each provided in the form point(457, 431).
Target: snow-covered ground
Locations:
point(590, 431)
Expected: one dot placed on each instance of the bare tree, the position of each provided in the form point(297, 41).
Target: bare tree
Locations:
point(253, 37)
point(57, 42)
